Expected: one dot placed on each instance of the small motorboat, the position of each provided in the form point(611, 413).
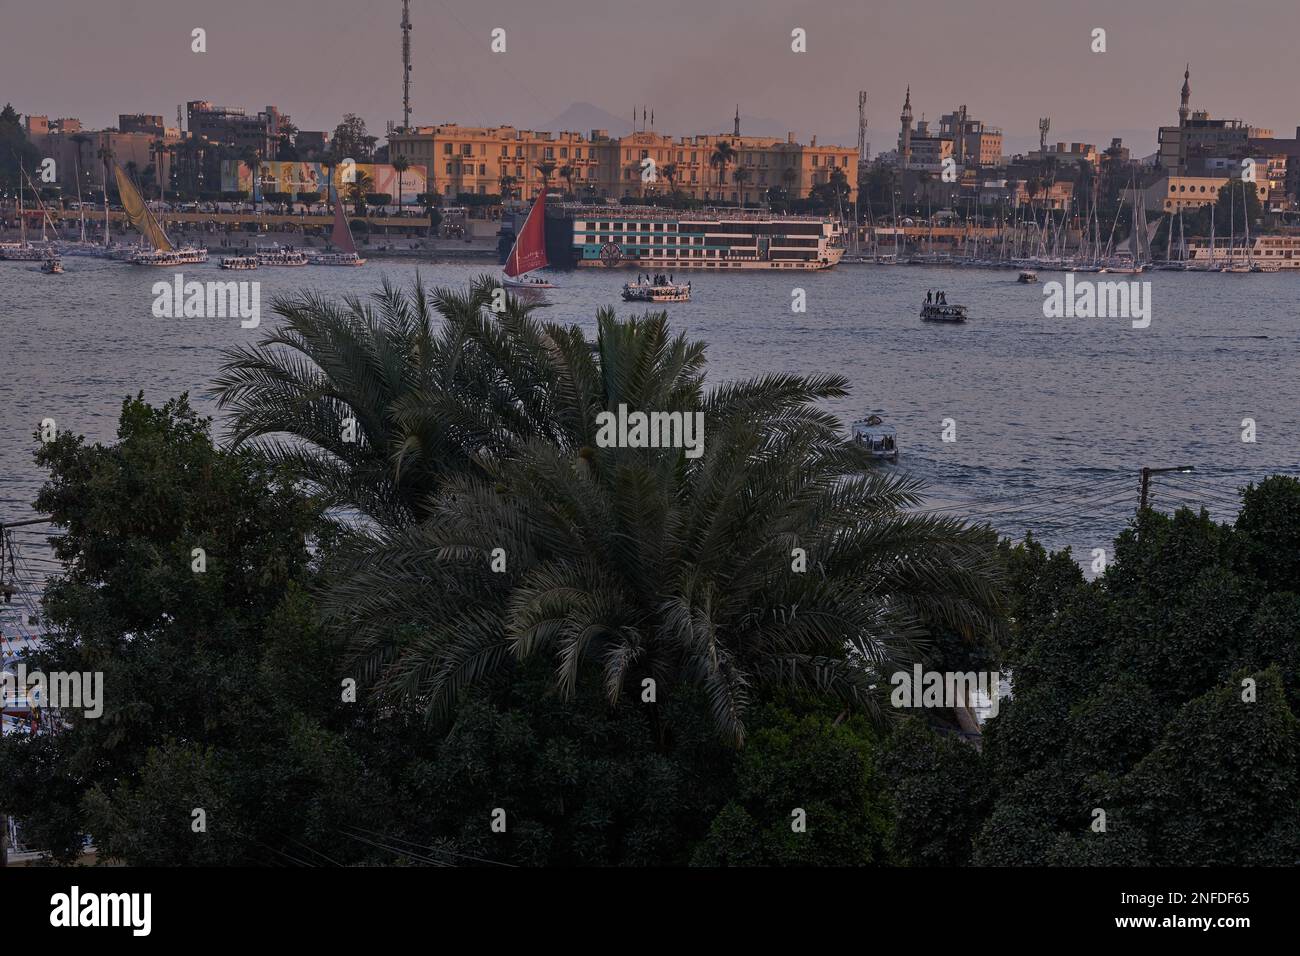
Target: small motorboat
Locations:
point(656, 289)
point(879, 439)
point(937, 309)
point(1027, 277)
point(53, 267)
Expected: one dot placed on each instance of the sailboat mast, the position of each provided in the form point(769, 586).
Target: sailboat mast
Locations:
point(81, 210)
point(1212, 252)
point(1245, 215)
point(106, 224)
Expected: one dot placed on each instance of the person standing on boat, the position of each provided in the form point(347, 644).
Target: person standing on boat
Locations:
point(929, 296)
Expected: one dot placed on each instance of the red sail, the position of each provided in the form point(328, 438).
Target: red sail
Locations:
point(529, 250)
point(341, 238)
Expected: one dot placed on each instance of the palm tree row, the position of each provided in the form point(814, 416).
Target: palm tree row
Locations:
point(498, 528)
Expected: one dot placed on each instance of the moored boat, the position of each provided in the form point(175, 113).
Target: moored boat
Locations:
point(239, 263)
point(25, 252)
point(281, 257)
point(186, 256)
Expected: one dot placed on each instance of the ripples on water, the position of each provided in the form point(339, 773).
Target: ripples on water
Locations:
point(1054, 416)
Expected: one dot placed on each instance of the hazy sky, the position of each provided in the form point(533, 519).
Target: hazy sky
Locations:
point(1010, 61)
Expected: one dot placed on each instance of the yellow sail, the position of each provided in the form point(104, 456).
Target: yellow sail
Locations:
point(138, 214)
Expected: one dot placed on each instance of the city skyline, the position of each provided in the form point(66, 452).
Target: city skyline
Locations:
point(576, 52)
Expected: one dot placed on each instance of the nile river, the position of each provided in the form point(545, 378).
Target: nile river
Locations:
point(1053, 417)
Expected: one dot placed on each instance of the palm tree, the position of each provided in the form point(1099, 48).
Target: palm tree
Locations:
point(741, 176)
point(566, 173)
point(507, 184)
point(670, 173)
point(252, 158)
point(428, 379)
point(360, 185)
point(546, 168)
point(105, 155)
point(81, 139)
point(723, 155)
point(624, 565)
point(401, 164)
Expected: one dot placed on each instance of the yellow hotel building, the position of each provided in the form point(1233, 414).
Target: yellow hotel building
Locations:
point(472, 159)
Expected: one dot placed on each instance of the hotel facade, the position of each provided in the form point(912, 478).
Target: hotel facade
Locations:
point(470, 159)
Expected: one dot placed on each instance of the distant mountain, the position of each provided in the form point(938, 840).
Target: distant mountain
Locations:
point(584, 117)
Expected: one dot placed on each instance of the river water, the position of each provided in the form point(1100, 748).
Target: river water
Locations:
point(1053, 417)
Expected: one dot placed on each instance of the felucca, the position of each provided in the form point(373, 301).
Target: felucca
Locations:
point(341, 239)
point(528, 254)
point(163, 251)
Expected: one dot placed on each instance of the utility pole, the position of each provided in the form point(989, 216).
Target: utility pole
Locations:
point(406, 66)
point(1146, 481)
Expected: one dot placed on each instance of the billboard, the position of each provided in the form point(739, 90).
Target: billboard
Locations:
point(276, 176)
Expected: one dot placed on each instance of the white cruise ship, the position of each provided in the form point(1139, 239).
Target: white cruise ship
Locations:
point(651, 238)
point(1265, 253)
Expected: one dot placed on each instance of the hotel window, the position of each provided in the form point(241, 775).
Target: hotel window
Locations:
point(466, 150)
point(564, 152)
point(519, 172)
point(449, 165)
point(505, 150)
point(577, 152)
point(482, 169)
point(446, 149)
point(548, 152)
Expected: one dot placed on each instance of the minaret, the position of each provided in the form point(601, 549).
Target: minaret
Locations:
point(905, 134)
point(1184, 110)
point(736, 131)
